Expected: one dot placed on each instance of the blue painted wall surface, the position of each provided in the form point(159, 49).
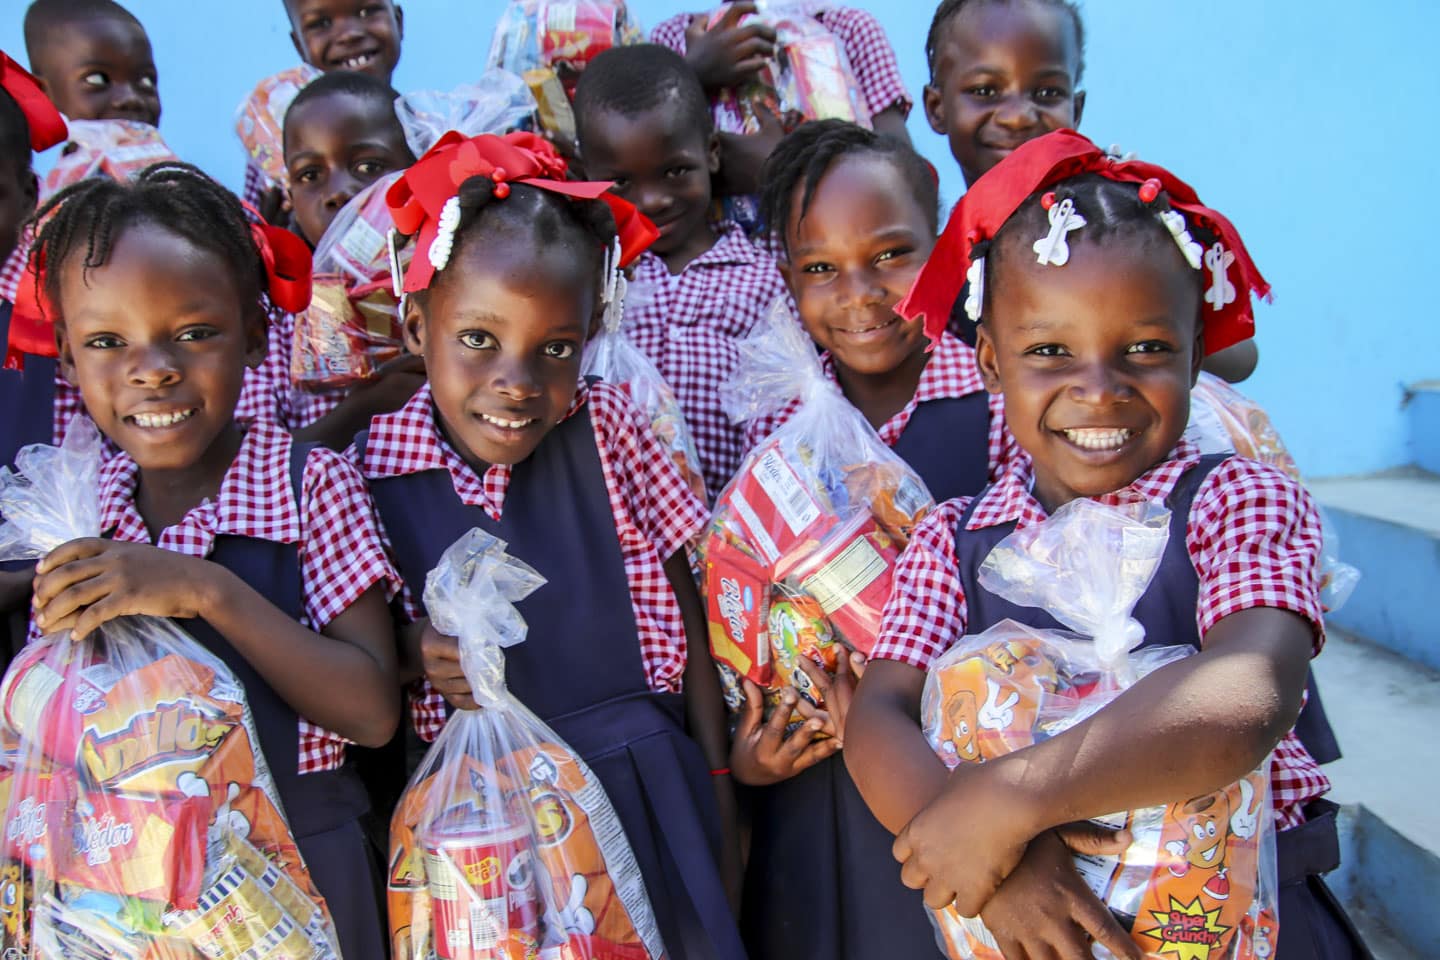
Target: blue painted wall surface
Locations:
point(1309, 123)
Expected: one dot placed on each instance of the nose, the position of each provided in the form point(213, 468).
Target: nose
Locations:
point(127, 98)
point(1016, 112)
point(1099, 384)
point(155, 366)
point(350, 28)
point(340, 188)
point(858, 289)
point(516, 380)
point(654, 200)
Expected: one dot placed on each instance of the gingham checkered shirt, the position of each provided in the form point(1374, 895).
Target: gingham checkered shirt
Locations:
point(1253, 537)
point(342, 553)
point(871, 57)
point(689, 325)
point(13, 269)
point(655, 513)
point(950, 372)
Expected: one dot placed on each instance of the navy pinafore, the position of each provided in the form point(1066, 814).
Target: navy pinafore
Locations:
point(324, 808)
point(580, 670)
point(821, 882)
point(1313, 926)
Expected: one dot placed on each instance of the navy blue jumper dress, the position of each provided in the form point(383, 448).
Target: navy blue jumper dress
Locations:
point(1312, 924)
point(821, 882)
point(324, 808)
point(580, 670)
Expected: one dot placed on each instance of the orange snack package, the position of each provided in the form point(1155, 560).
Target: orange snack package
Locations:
point(117, 149)
point(260, 120)
point(558, 38)
point(1198, 880)
point(504, 845)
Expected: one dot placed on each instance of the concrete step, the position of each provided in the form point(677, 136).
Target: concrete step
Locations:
point(1389, 527)
point(1386, 710)
point(1422, 413)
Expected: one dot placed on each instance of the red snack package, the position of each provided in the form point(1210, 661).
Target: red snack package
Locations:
point(117, 149)
point(737, 599)
point(849, 576)
point(151, 848)
point(260, 120)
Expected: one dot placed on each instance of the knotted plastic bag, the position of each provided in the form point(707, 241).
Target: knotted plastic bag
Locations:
point(260, 120)
point(1199, 878)
point(504, 845)
point(799, 556)
point(118, 149)
point(140, 818)
point(353, 325)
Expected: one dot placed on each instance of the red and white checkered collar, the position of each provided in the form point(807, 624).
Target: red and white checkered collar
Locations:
point(256, 499)
point(1009, 499)
point(731, 246)
point(14, 267)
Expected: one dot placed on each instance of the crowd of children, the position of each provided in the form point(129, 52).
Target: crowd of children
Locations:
point(1039, 351)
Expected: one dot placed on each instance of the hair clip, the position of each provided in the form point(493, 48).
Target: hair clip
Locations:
point(1175, 223)
point(613, 293)
point(1222, 292)
point(1052, 248)
point(502, 188)
point(444, 242)
point(397, 277)
point(975, 299)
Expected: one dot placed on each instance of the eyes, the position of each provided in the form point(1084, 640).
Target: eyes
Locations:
point(894, 256)
point(366, 169)
point(322, 22)
point(1046, 95)
point(482, 340)
point(110, 341)
point(1203, 831)
point(1147, 348)
point(100, 80)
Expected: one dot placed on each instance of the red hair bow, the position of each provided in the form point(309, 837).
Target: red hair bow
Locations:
point(416, 199)
point(288, 266)
point(47, 126)
point(1045, 162)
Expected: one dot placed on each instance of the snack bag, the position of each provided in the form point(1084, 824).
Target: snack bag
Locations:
point(117, 149)
point(549, 43)
point(260, 120)
point(801, 549)
point(140, 818)
point(504, 845)
point(1199, 878)
point(353, 325)
point(613, 358)
point(1222, 419)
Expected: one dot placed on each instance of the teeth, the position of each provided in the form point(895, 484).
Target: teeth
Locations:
point(507, 424)
point(879, 326)
point(355, 63)
point(1209, 855)
point(1098, 439)
point(153, 420)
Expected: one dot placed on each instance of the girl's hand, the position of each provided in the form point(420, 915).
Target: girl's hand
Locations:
point(835, 692)
point(85, 583)
point(1044, 909)
point(728, 53)
point(440, 657)
point(762, 754)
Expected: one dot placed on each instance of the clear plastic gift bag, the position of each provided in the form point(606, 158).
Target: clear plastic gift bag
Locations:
point(799, 555)
point(353, 324)
point(504, 845)
point(1199, 877)
point(260, 119)
point(141, 820)
point(118, 149)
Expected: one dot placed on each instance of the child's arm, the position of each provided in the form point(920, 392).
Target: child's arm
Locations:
point(86, 583)
point(389, 390)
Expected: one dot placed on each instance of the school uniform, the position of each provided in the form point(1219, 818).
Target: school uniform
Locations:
point(300, 529)
point(688, 325)
point(820, 868)
point(1242, 535)
point(597, 509)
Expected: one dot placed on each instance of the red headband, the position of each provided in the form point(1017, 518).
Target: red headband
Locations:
point(47, 126)
point(417, 198)
point(1045, 162)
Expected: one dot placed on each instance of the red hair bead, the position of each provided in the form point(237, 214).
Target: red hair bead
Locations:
point(1149, 190)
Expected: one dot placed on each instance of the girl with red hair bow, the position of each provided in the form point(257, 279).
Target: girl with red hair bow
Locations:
point(513, 269)
point(1099, 287)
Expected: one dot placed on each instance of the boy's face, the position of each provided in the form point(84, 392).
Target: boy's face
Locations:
point(101, 69)
point(359, 35)
point(1095, 359)
point(1004, 74)
point(662, 162)
point(336, 146)
point(502, 329)
point(158, 341)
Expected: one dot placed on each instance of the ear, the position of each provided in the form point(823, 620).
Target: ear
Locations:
point(935, 108)
point(1079, 107)
point(712, 154)
point(784, 267)
point(399, 23)
point(414, 326)
point(257, 340)
point(1197, 351)
point(985, 359)
point(299, 47)
point(65, 357)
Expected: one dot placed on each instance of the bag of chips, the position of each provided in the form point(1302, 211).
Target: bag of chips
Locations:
point(1222, 419)
point(1199, 877)
point(118, 149)
point(140, 818)
point(353, 325)
point(260, 120)
point(504, 845)
point(800, 552)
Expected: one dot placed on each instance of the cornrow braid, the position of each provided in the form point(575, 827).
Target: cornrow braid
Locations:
point(93, 214)
point(948, 9)
point(805, 155)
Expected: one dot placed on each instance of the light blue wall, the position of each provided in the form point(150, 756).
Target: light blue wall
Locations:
point(1310, 122)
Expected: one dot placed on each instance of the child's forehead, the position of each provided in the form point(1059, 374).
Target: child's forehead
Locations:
point(104, 36)
point(665, 124)
point(299, 8)
point(341, 114)
point(1026, 29)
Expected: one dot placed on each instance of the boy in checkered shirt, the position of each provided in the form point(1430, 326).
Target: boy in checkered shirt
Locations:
point(1101, 285)
point(644, 123)
point(269, 552)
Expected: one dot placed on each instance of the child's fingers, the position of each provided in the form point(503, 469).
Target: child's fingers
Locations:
point(858, 663)
point(71, 598)
point(731, 17)
point(1094, 839)
point(817, 676)
point(753, 712)
point(96, 615)
point(70, 552)
point(772, 734)
point(436, 647)
point(1095, 918)
point(817, 750)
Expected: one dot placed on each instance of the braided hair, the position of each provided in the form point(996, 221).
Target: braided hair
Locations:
point(805, 155)
point(949, 9)
point(1114, 212)
point(92, 215)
